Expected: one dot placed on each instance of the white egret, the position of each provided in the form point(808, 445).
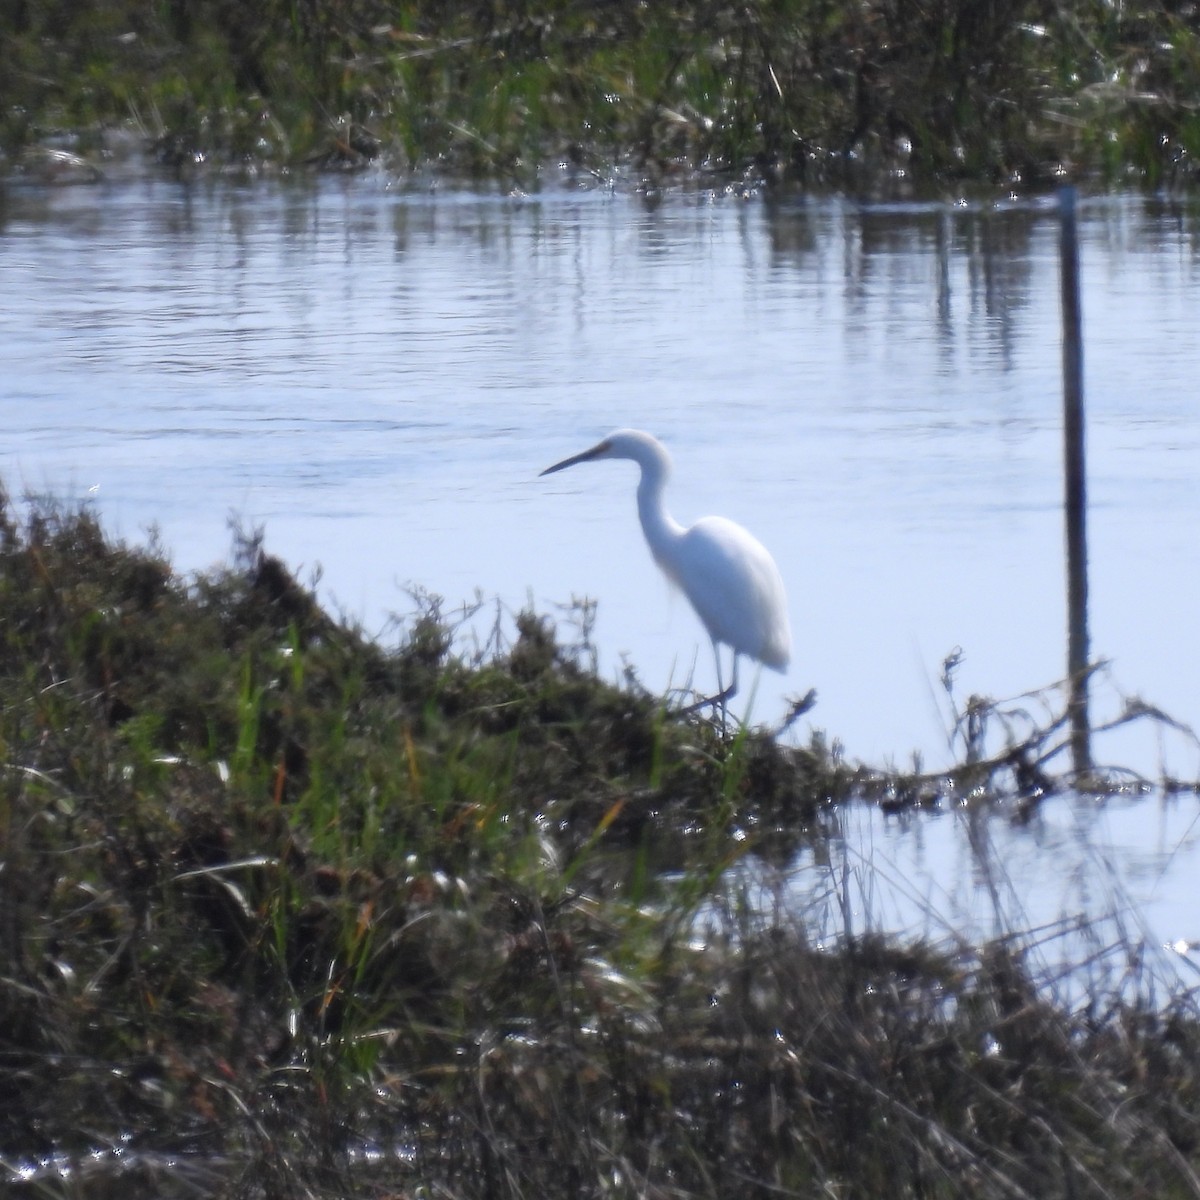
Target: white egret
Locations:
point(727, 573)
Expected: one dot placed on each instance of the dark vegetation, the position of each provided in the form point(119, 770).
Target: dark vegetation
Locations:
point(882, 94)
point(284, 913)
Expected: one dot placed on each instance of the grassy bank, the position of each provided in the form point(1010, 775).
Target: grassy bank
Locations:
point(287, 914)
point(882, 95)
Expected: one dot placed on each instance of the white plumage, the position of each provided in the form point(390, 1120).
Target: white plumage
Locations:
point(726, 573)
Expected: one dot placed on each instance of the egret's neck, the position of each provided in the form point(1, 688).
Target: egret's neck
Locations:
point(661, 529)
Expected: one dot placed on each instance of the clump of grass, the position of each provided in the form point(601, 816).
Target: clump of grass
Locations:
point(882, 95)
point(304, 915)
point(229, 819)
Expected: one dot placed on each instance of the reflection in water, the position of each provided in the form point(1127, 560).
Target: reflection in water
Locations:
point(1100, 923)
point(378, 377)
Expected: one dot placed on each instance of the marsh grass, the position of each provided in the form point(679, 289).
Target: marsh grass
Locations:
point(884, 96)
point(287, 913)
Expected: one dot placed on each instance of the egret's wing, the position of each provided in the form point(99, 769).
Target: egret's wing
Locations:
point(736, 589)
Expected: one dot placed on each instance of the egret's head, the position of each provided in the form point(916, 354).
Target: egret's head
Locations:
point(646, 451)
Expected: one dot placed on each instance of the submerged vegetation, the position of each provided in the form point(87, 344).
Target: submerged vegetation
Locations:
point(807, 92)
point(290, 914)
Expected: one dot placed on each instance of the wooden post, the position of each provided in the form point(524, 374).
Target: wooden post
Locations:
point(1075, 483)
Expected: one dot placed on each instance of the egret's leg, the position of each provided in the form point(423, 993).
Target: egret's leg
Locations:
point(728, 694)
point(717, 660)
point(723, 693)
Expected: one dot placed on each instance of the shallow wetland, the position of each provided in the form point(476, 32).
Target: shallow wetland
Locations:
point(456, 904)
point(290, 914)
point(324, 874)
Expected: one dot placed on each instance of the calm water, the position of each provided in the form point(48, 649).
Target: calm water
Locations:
point(378, 379)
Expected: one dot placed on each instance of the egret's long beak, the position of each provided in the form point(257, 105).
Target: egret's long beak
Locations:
point(586, 456)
